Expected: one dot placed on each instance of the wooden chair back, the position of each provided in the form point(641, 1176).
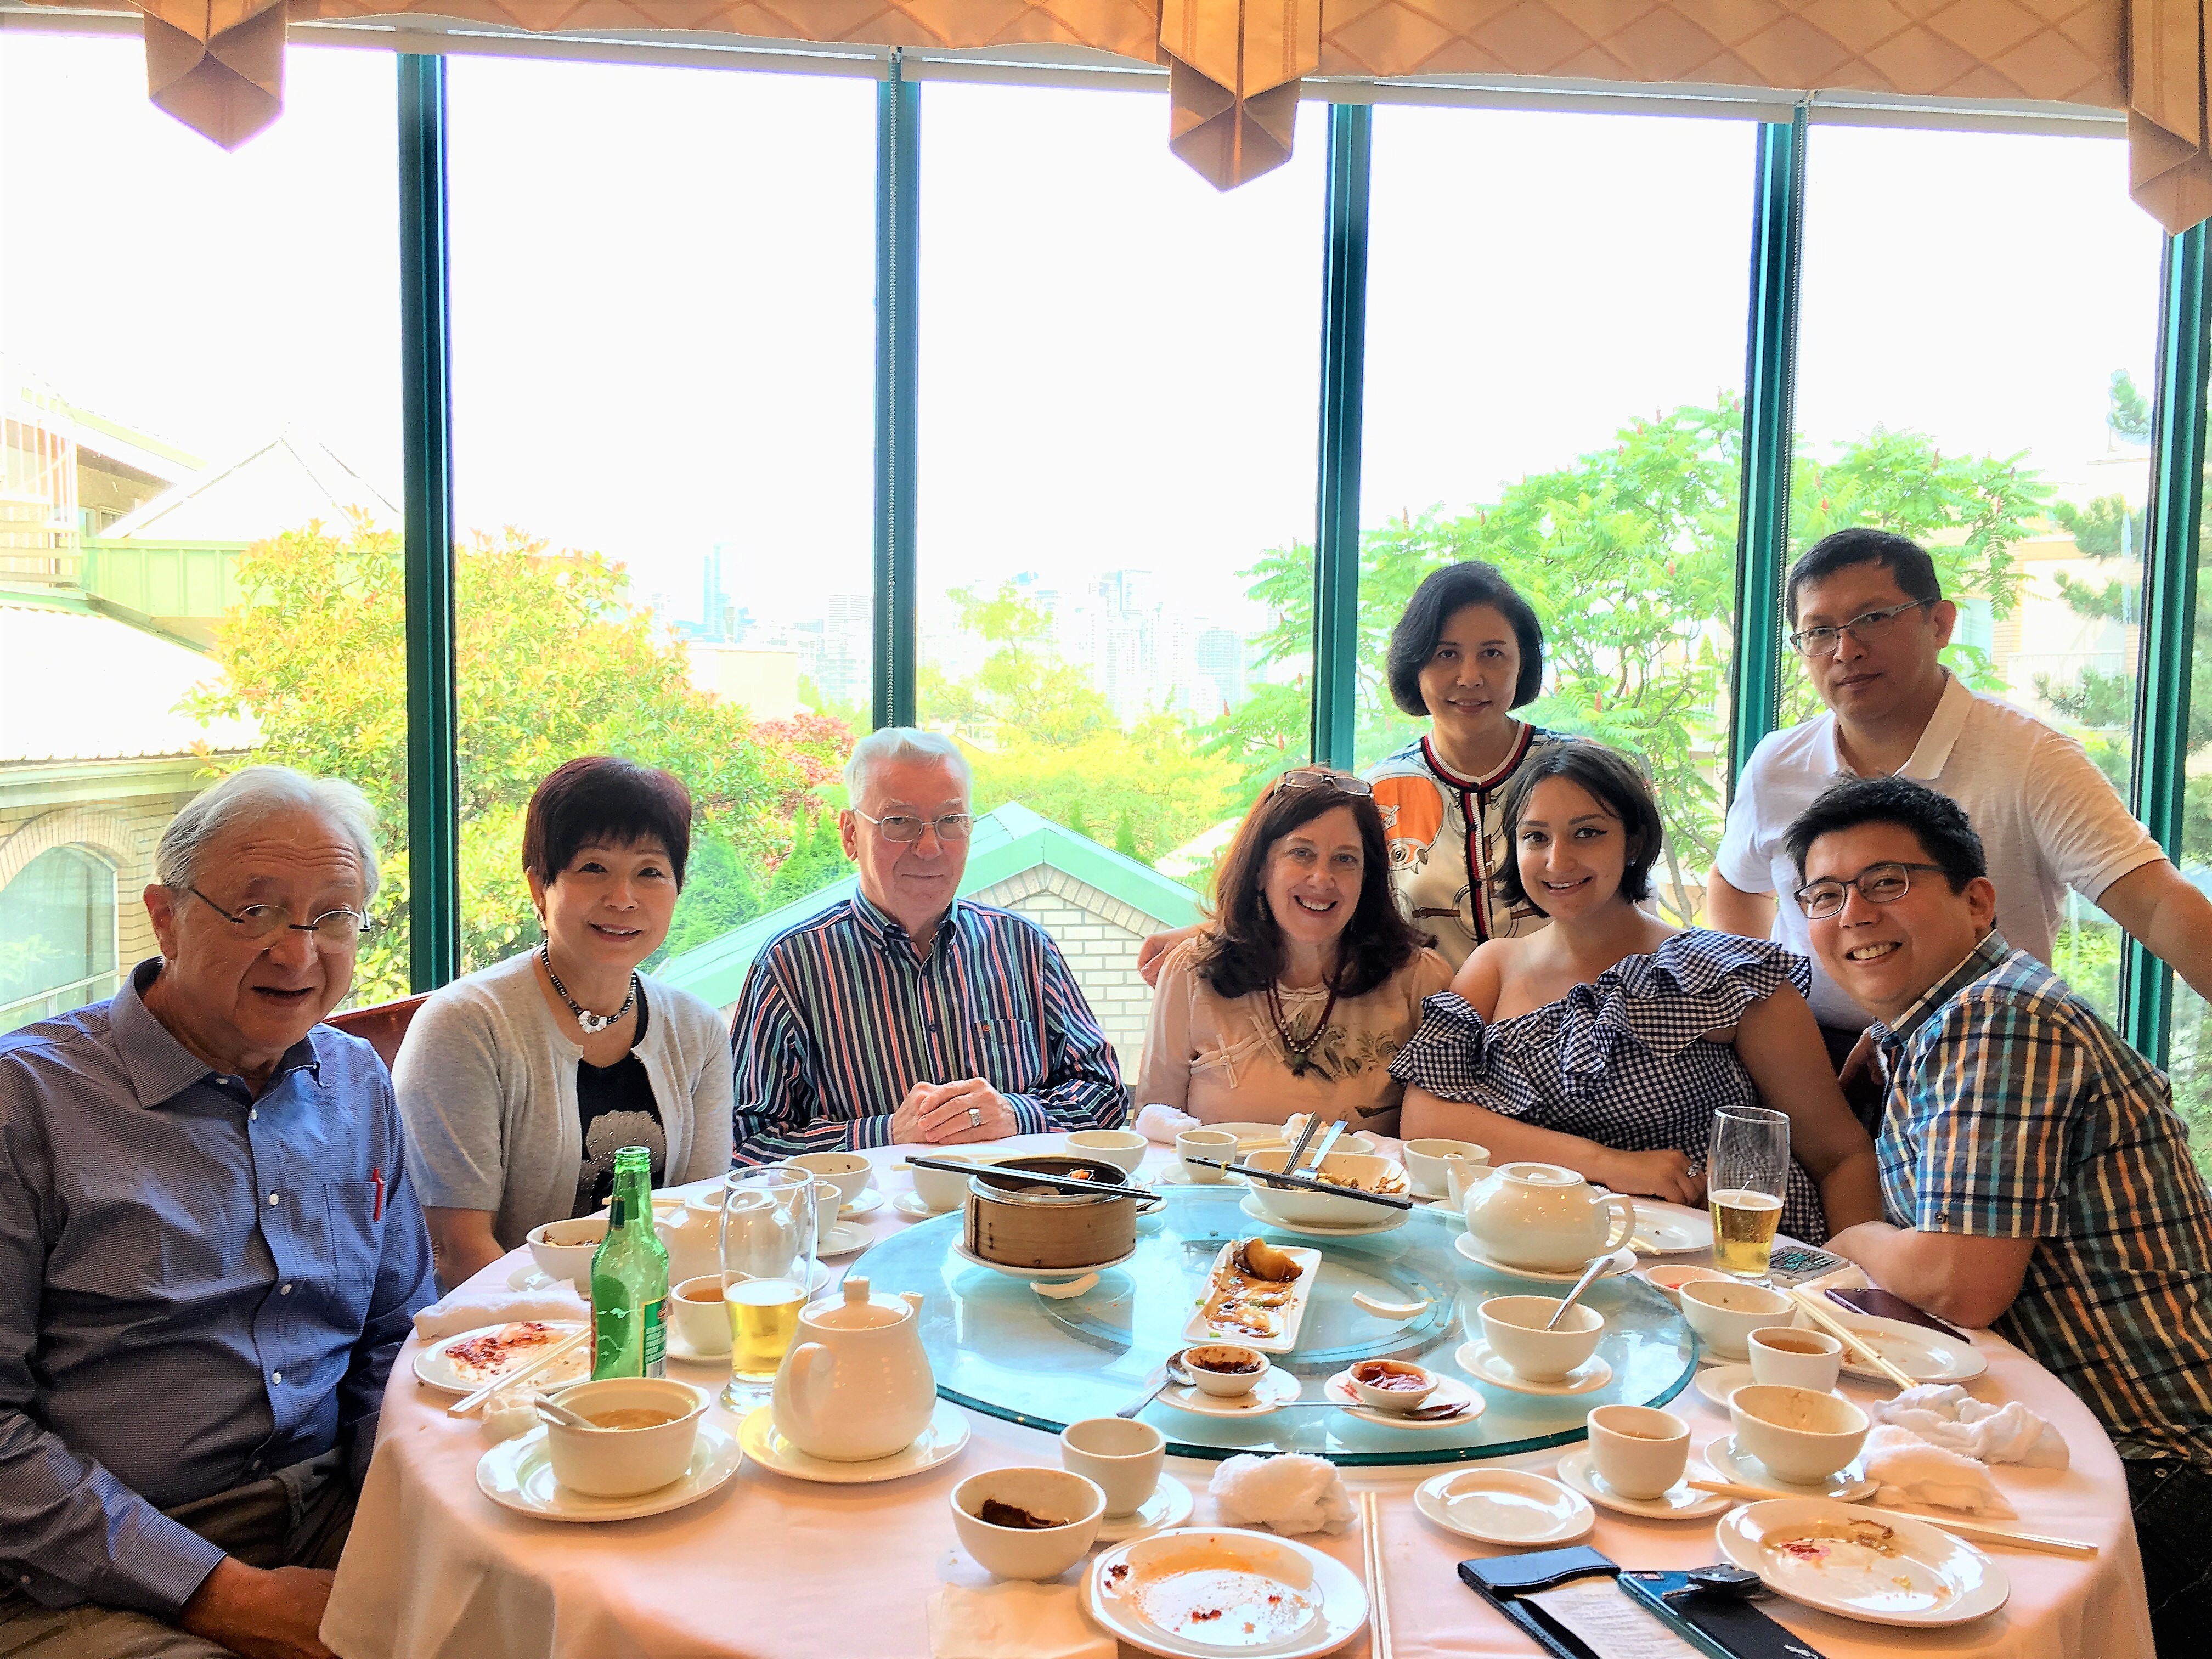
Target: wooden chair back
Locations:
point(382, 1025)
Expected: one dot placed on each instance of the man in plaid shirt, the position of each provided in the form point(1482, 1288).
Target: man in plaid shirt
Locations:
point(2035, 1176)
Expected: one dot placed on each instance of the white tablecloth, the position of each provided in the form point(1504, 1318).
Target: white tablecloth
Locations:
point(775, 1566)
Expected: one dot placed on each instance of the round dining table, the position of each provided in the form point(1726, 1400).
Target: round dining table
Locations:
point(770, 1566)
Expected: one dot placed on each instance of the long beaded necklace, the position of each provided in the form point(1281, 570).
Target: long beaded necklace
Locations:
point(591, 1023)
point(1300, 1050)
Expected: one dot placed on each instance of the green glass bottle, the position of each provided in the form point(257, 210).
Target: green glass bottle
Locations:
point(630, 1279)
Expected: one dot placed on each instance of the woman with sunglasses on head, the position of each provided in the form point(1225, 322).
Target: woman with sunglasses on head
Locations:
point(1296, 995)
point(1467, 652)
point(1605, 1043)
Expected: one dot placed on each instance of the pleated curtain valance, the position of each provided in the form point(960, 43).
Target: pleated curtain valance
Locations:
point(1235, 65)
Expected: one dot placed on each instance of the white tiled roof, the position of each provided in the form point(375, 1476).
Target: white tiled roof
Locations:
point(277, 487)
point(79, 687)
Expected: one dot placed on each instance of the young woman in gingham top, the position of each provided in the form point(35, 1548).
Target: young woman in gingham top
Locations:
point(1605, 1043)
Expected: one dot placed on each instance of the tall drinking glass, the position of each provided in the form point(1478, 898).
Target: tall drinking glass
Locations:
point(1746, 1172)
point(767, 1261)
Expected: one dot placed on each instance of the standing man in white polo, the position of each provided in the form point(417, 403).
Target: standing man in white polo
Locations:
point(1868, 618)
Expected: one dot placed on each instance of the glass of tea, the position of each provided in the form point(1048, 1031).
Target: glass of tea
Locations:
point(1746, 1172)
point(768, 1262)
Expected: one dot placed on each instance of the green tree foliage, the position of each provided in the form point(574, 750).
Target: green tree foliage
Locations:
point(2128, 414)
point(552, 663)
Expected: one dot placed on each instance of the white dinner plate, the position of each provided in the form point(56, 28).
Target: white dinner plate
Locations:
point(1449, 1391)
point(1197, 1330)
point(1671, 1228)
point(1276, 1388)
point(1923, 1355)
point(941, 1442)
point(435, 1370)
point(1620, 1262)
point(1505, 1506)
point(1682, 1502)
point(1392, 1220)
point(1478, 1361)
point(1045, 1274)
point(517, 1474)
point(1922, 1577)
point(1250, 1137)
point(1147, 1592)
point(1847, 1485)
point(1169, 1505)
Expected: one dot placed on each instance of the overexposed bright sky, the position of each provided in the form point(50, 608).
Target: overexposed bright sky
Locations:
point(663, 320)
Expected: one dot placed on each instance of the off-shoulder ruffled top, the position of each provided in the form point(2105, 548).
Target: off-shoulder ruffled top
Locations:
point(1623, 1061)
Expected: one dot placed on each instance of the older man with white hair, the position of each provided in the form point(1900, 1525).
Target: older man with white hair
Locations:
point(209, 1254)
point(908, 1014)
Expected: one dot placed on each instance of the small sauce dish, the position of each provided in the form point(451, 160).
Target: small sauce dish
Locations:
point(1392, 1385)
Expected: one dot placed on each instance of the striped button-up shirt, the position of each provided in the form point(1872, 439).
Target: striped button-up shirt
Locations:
point(841, 1017)
point(2015, 1112)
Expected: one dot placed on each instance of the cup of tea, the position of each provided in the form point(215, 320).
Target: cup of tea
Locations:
point(1216, 1144)
point(1788, 1356)
point(701, 1315)
point(1640, 1452)
point(1123, 1456)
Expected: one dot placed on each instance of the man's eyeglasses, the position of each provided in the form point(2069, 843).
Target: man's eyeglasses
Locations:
point(898, 827)
point(1878, 884)
point(334, 930)
point(1872, 625)
point(1343, 783)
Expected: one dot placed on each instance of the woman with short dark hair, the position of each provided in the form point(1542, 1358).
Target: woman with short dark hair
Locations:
point(1299, 990)
point(518, 1083)
point(1605, 1043)
point(1467, 653)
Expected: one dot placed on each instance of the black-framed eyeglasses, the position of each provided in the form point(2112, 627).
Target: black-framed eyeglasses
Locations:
point(333, 929)
point(1878, 884)
point(1341, 782)
point(1869, 625)
point(903, 828)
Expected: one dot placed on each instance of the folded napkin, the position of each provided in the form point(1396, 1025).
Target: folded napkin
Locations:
point(1293, 1492)
point(472, 1312)
point(509, 1413)
point(1162, 1124)
point(1946, 1415)
point(1910, 1471)
point(1013, 1621)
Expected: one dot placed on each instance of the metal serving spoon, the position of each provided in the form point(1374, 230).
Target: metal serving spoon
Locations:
point(1171, 1370)
point(1596, 1266)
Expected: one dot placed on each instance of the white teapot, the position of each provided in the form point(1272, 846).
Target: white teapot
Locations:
point(1540, 1216)
point(857, 1384)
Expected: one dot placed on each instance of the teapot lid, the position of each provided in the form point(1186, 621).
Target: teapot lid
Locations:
point(858, 1311)
point(1540, 1175)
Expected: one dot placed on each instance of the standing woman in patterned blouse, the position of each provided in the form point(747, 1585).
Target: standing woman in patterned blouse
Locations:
point(1467, 652)
point(1605, 1043)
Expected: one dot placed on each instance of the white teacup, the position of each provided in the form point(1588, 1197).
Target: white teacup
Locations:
point(853, 1174)
point(829, 1199)
point(1123, 1148)
point(941, 1189)
point(1786, 1356)
point(564, 1249)
point(1217, 1144)
point(1725, 1312)
point(1800, 1436)
point(1514, 1327)
point(1429, 1163)
point(1124, 1457)
point(701, 1315)
point(1639, 1452)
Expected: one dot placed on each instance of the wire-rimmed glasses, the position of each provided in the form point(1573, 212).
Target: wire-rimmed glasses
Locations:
point(337, 929)
point(1866, 625)
point(1878, 884)
point(901, 828)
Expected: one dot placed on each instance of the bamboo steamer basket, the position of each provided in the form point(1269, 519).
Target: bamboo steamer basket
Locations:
point(1043, 1227)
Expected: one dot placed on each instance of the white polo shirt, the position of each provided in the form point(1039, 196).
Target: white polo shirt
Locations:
point(2048, 820)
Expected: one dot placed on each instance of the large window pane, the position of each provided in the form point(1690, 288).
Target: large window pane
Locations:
point(1994, 408)
point(2191, 1059)
point(1120, 373)
point(199, 362)
point(1555, 359)
point(663, 328)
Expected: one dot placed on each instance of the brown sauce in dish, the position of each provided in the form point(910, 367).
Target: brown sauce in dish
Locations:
point(996, 1514)
point(1376, 1374)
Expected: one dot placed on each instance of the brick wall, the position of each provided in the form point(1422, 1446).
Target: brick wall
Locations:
point(124, 831)
point(1098, 934)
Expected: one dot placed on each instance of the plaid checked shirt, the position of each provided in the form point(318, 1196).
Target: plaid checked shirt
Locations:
point(839, 1018)
point(2014, 1111)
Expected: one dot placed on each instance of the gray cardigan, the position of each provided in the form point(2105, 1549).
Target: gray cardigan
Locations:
point(487, 1087)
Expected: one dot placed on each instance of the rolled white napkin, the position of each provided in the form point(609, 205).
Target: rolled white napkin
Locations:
point(472, 1312)
point(1944, 1414)
point(1911, 1471)
point(509, 1413)
point(1162, 1124)
point(1293, 1493)
point(1013, 1621)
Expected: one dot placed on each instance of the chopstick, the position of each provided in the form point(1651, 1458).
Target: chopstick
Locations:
point(1278, 1178)
point(1371, 1551)
point(467, 1404)
point(1973, 1532)
point(1836, 1328)
point(1066, 1183)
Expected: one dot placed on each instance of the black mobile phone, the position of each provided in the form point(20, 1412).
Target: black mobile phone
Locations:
point(1793, 1264)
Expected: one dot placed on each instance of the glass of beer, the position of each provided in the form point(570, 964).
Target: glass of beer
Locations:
point(768, 1262)
point(1746, 1172)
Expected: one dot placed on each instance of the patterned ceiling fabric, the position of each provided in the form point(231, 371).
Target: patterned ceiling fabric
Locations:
point(1234, 88)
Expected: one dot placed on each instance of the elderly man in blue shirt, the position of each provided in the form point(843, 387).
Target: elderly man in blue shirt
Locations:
point(209, 1254)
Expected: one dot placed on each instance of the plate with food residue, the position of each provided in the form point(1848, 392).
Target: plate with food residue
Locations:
point(464, 1363)
point(1255, 1294)
point(1197, 1592)
point(1885, 1570)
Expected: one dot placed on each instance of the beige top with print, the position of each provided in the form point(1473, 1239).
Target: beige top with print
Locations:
point(1222, 1062)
